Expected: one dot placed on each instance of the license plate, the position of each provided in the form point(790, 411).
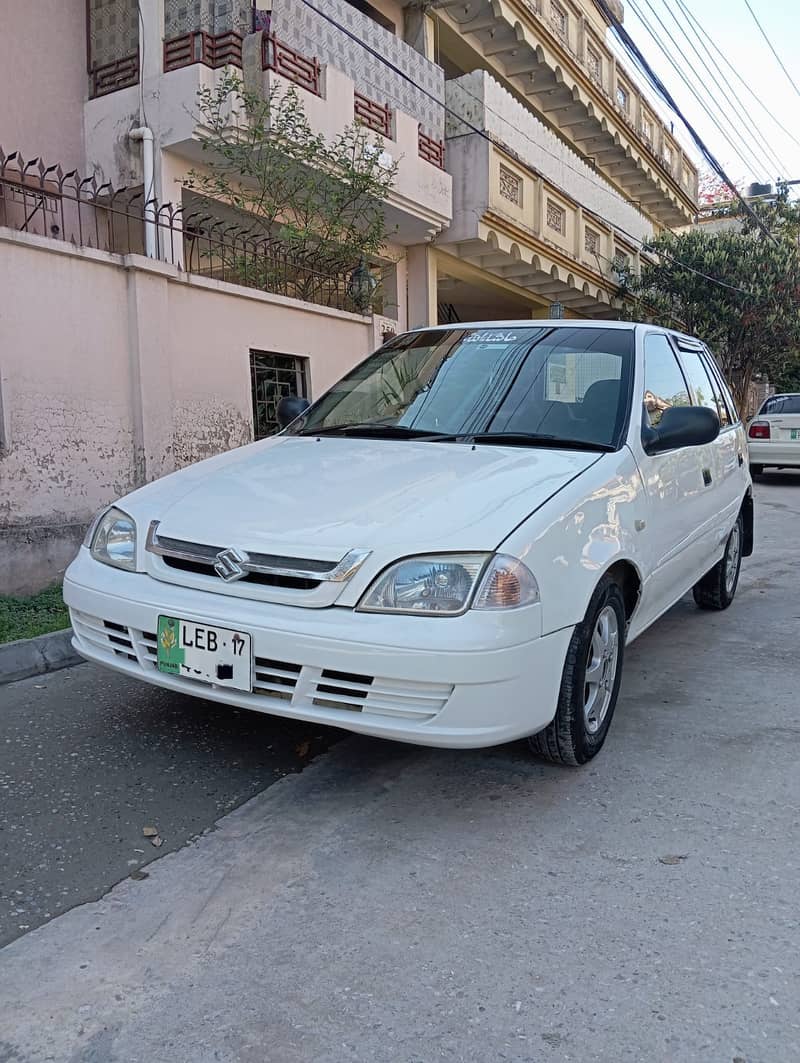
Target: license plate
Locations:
point(208, 654)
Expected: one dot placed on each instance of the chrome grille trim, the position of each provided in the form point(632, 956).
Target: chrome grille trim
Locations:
point(260, 564)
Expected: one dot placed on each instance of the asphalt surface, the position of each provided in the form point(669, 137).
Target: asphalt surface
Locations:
point(400, 904)
point(89, 759)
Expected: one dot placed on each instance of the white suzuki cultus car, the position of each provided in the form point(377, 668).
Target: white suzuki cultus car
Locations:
point(451, 547)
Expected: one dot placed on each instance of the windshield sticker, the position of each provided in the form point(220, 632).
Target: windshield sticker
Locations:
point(492, 336)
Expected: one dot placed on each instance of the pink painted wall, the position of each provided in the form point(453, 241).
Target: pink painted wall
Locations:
point(43, 80)
point(116, 371)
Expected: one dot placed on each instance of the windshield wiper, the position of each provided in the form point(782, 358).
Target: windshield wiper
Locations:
point(533, 439)
point(377, 431)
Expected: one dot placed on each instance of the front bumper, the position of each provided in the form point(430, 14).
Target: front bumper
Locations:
point(469, 681)
point(772, 453)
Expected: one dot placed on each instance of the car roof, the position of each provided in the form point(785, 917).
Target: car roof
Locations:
point(561, 322)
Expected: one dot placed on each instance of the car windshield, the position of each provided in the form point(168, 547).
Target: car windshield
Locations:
point(782, 404)
point(541, 385)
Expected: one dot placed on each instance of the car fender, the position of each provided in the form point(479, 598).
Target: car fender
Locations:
point(591, 525)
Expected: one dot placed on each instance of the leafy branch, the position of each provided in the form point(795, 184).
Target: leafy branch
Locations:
point(316, 203)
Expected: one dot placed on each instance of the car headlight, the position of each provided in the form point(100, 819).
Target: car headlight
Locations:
point(449, 584)
point(113, 540)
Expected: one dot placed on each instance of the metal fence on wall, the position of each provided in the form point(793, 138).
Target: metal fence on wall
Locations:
point(47, 201)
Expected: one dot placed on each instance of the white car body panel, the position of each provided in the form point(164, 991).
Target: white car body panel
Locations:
point(471, 680)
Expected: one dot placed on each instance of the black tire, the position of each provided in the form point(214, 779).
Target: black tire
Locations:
point(717, 589)
point(756, 471)
point(569, 738)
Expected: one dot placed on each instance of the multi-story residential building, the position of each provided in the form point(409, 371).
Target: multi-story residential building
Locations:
point(529, 169)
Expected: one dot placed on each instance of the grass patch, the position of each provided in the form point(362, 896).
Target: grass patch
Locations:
point(23, 618)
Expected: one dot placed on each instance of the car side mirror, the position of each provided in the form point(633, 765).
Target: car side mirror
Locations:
point(681, 426)
point(289, 408)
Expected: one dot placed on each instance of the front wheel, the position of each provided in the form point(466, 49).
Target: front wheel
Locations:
point(717, 588)
point(590, 682)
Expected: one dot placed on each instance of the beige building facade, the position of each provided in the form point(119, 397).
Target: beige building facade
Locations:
point(529, 170)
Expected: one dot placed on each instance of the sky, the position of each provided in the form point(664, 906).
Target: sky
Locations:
point(731, 27)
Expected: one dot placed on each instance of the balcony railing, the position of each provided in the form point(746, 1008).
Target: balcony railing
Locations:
point(112, 76)
point(291, 64)
point(374, 115)
point(431, 150)
point(596, 61)
point(46, 201)
point(199, 47)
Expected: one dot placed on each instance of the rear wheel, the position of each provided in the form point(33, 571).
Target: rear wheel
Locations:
point(590, 682)
point(717, 588)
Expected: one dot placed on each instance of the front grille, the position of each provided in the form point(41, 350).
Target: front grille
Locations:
point(303, 687)
point(104, 635)
point(205, 568)
point(275, 679)
point(273, 571)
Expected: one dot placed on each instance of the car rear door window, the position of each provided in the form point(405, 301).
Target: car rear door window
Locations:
point(704, 392)
point(664, 383)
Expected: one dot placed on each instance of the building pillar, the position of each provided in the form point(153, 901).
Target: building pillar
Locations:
point(418, 28)
point(151, 381)
point(421, 286)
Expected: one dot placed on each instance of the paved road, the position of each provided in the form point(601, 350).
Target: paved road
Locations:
point(398, 904)
point(88, 759)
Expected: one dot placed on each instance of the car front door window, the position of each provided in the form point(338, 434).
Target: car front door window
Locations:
point(664, 383)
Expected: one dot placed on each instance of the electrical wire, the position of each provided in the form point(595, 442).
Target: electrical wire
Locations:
point(635, 240)
point(742, 148)
point(693, 18)
point(772, 48)
point(632, 48)
point(742, 113)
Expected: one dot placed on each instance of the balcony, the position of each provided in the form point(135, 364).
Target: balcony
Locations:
point(528, 209)
point(566, 72)
point(338, 82)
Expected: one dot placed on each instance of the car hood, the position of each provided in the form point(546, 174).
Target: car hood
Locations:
point(308, 497)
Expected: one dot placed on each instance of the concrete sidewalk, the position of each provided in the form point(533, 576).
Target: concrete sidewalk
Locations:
point(399, 904)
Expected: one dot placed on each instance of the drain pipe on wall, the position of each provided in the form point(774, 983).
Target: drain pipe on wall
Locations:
point(145, 135)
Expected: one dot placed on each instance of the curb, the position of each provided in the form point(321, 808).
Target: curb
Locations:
point(45, 653)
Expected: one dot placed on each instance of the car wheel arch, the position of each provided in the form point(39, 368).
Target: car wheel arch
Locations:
point(624, 572)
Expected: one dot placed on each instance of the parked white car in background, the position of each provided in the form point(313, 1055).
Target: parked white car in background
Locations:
point(774, 434)
point(451, 547)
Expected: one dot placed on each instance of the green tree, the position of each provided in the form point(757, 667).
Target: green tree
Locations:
point(739, 290)
point(314, 204)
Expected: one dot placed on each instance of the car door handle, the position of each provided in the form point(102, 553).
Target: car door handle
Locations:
point(706, 476)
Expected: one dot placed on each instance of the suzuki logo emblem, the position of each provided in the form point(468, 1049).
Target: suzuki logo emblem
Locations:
point(231, 564)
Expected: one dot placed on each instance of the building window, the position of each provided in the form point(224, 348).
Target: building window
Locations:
point(669, 157)
point(623, 99)
point(272, 376)
point(647, 129)
point(591, 241)
point(687, 176)
point(595, 65)
point(622, 261)
point(556, 217)
point(510, 186)
point(559, 21)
